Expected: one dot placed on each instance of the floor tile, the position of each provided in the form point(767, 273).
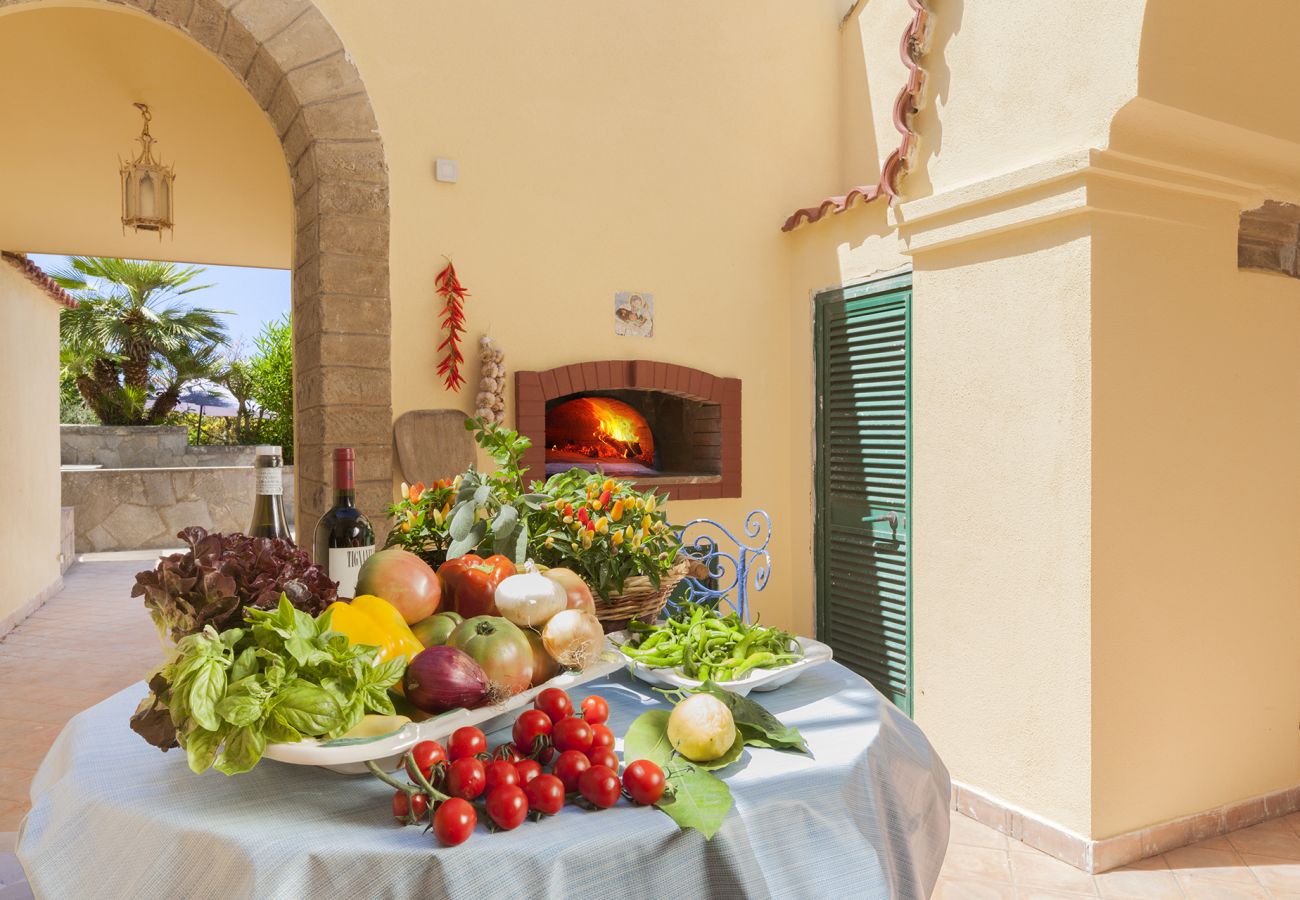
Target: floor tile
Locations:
point(985, 863)
point(1219, 890)
point(1275, 874)
point(1267, 839)
point(1196, 863)
point(970, 833)
point(1139, 883)
point(1038, 870)
point(967, 889)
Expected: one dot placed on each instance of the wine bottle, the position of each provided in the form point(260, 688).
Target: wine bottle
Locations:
point(344, 538)
point(268, 506)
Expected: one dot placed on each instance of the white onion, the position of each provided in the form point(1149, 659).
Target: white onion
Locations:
point(529, 599)
point(574, 638)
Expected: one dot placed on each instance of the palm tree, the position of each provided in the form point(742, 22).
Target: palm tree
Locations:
point(131, 334)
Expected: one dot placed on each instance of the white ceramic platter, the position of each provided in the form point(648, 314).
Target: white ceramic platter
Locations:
point(349, 757)
point(814, 654)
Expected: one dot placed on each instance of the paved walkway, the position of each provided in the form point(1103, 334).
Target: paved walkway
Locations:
point(93, 639)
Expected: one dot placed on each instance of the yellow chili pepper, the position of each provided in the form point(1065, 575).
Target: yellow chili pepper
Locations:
point(374, 621)
point(617, 512)
point(627, 533)
point(651, 504)
point(602, 524)
point(608, 485)
point(617, 538)
point(586, 540)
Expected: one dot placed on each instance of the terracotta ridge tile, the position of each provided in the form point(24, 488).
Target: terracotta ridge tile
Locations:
point(36, 275)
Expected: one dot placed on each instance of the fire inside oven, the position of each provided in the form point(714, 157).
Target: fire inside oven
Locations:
point(599, 432)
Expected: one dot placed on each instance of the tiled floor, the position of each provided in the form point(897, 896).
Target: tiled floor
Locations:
point(94, 639)
point(1263, 861)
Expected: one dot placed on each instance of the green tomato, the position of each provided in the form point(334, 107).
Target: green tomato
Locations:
point(500, 648)
point(435, 630)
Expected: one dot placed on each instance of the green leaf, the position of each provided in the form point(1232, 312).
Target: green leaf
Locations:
point(307, 708)
point(482, 493)
point(699, 800)
point(521, 544)
point(305, 652)
point(245, 664)
point(206, 690)
point(647, 738)
point(462, 520)
point(201, 748)
point(240, 710)
point(242, 751)
point(504, 523)
point(470, 541)
point(278, 732)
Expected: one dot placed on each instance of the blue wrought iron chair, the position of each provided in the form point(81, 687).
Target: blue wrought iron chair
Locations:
point(724, 576)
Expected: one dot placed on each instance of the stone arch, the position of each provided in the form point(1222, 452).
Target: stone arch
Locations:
point(293, 63)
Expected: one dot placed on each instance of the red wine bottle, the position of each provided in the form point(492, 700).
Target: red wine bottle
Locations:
point(344, 538)
point(268, 506)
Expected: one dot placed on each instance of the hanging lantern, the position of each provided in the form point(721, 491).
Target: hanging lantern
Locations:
point(146, 186)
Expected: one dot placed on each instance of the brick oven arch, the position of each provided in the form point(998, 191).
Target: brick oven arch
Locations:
point(533, 390)
point(292, 62)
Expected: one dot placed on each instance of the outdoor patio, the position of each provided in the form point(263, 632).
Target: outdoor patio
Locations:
point(39, 696)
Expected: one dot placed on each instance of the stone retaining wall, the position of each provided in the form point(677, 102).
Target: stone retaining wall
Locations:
point(145, 446)
point(143, 508)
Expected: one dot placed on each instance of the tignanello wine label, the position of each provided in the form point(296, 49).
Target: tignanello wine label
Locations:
point(345, 563)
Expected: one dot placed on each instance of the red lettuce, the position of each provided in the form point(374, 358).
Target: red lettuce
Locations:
point(222, 574)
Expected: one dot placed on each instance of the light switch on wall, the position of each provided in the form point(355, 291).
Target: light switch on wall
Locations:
point(447, 170)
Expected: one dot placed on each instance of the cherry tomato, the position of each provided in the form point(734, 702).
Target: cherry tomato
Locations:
point(601, 736)
point(466, 778)
point(467, 741)
point(644, 782)
point(531, 724)
point(528, 769)
point(569, 766)
point(545, 794)
point(603, 756)
point(402, 805)
point(600, 786)
point(426, 754)
point(595, 710)
point(454, 821)
point(555, 703)
point(571, 734)
point(507, 806)
point(499, 773)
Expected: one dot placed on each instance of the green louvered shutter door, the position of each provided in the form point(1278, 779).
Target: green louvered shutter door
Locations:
point(862, 478)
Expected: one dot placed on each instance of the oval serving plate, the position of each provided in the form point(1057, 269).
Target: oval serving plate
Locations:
point(814, 654)
point(348, 756)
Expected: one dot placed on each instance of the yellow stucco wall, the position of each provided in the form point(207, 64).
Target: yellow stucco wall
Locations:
point(29, 439)
point(71, 75)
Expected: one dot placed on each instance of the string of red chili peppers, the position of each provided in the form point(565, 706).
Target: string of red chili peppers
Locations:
point(453, 320)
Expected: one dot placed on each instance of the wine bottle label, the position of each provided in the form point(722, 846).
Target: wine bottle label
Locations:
point(269, 482)
point(344, 564)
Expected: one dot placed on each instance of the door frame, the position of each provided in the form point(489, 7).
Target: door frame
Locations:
point(871, 287)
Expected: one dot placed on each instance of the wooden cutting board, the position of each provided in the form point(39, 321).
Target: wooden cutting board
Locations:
point(432, 443)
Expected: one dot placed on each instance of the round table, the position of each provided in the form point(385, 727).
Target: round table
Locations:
point(865, 816)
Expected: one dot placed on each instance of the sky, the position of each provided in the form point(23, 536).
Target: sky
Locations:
point(251, 296)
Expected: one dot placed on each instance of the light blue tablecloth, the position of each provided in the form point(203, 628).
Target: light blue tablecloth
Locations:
point(866, 818)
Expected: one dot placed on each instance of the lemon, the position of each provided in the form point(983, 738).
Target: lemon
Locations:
point(701, 729)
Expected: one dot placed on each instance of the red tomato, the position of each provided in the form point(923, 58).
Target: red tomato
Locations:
point(571, 734)
point(469, 583)
point(528, 769)
point(644, 782)
point(600, 786)
point(555, 703)
point(467, 741)
point(545, 794)
point(507, 806)
point(403, 805)
point(506, 752)
point(601, 736)
point(531, 725)
point(454, 821)
point(595, 710)
point(569, 767)
point(426, 755)
point(603, 756)
point(466, 778)
point(499, 773)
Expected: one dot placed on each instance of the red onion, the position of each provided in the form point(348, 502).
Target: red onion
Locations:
point(442, 678)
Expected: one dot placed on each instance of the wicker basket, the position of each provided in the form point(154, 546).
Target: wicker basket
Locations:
point(639, 599)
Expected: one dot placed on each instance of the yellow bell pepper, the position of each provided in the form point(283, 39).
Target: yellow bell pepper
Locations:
point(373, 620)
